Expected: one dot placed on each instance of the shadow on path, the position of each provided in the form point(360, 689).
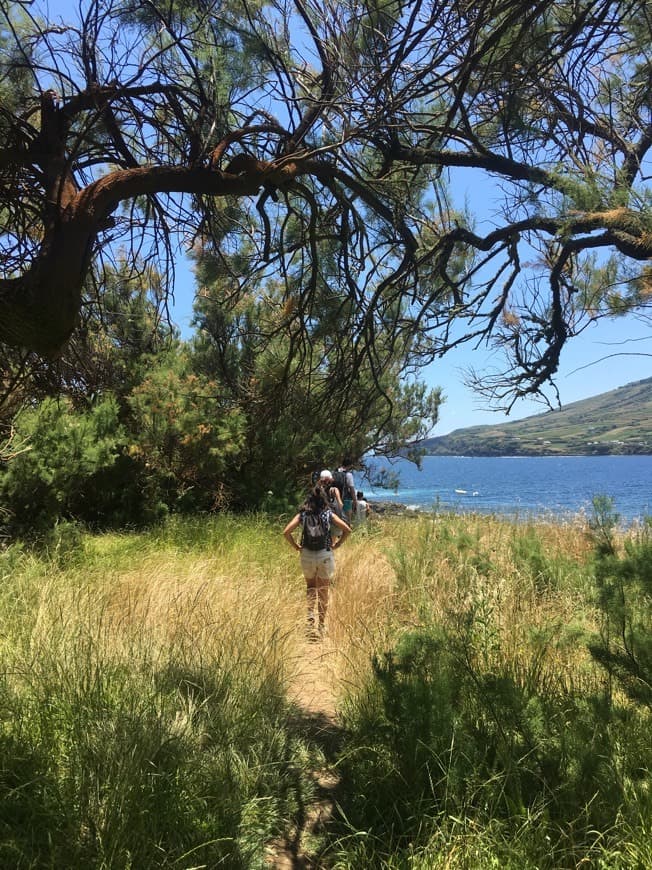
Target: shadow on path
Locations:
point(315, 721)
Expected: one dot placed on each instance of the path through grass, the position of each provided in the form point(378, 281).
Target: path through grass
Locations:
point(163, 709)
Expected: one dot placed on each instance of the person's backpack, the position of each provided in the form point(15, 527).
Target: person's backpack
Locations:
point(333, 504)
point(339, 480)
point(314, 534)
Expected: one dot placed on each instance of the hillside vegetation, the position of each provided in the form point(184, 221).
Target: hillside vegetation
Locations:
point(617, 422)
point(483, 713)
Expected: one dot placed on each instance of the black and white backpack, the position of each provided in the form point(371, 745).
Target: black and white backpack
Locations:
point(314, 535)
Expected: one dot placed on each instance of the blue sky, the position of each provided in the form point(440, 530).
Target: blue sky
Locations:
point(607, 355)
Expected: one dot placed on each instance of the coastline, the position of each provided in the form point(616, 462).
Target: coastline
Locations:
point(395, 509)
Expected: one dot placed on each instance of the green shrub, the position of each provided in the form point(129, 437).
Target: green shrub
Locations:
point(75, 470)
point(437, 736)
point(545, 570)
point(624, 597)
point(101, 767)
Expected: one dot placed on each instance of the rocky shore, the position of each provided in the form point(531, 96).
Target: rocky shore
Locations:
point(393, 509)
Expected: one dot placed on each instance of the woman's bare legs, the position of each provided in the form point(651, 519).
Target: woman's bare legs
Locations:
point(317, 593)
point(323, 591)
point(311, 600)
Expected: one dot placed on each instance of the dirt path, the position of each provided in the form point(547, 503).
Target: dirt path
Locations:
point(313, 690)
point(314, 683)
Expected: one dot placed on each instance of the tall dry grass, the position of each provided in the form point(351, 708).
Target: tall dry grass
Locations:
point(529, 586)
point(151, 684)
point(145, 687)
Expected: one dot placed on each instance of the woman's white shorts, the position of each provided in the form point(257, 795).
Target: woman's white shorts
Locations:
point(317, 564)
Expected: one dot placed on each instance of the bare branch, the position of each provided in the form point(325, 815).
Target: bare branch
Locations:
point(350, 127)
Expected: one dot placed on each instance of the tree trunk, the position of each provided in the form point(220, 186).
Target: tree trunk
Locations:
point(39, 310)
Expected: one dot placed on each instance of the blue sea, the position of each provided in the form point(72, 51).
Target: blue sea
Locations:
point(523, 487)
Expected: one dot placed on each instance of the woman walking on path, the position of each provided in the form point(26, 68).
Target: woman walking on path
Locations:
point(316, 548)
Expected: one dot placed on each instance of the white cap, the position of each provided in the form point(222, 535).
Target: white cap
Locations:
point(325, 475)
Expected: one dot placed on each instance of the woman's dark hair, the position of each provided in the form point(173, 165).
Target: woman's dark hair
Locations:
point(315, 501)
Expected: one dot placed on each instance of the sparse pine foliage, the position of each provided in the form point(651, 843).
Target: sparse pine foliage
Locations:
point(623, 578)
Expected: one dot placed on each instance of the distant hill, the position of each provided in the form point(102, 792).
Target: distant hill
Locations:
point(619, 421)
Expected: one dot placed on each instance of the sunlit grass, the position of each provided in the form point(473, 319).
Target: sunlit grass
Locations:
point(150, 683)
point(145, 691)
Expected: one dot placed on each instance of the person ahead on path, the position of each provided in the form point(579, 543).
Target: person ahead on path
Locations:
point(316, 549)
point(333, 497)
point(344, 481)
point(362, 510)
